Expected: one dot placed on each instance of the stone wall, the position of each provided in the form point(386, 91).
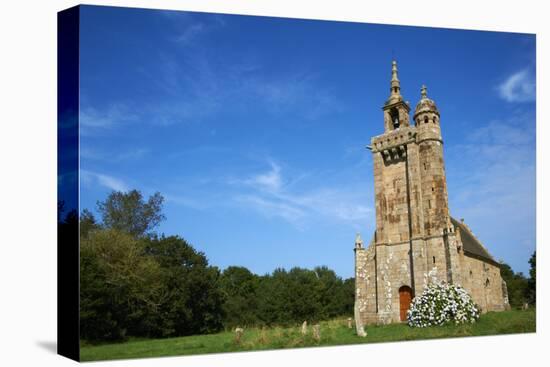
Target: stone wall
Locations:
point(391, 201)
point(366, 284)
point(484, 283)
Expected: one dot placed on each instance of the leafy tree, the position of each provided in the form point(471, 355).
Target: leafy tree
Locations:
point(532, 282)
point(348, 296)
point(130, 213)
point(137, 283)
point(290, 297)
point(516, 284)
point(305, 295)
point(239, 287)
point(119, 286)
point(87, 223)
point(193, 299)
point(333, 293)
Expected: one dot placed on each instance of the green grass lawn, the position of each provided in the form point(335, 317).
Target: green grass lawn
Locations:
point(334, 332)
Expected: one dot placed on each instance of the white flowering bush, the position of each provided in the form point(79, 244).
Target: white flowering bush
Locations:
point(441, 303)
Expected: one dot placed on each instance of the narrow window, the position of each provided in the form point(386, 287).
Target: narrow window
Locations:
point(425, 167)
point(425, 119)
point(394, 115)
point(434, 259)
point(429, 204)
point(435, 120)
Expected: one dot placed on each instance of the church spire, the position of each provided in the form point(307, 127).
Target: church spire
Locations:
point(395, 85)
point(396, 110)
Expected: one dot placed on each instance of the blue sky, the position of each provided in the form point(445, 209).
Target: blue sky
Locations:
point(254, 128)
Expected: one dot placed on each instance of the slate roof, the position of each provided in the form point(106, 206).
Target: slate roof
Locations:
point(471, 244)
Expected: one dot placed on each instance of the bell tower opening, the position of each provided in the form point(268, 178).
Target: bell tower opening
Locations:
point(394, 115)
point(396, 110)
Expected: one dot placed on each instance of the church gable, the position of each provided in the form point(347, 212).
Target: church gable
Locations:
point(471, 244)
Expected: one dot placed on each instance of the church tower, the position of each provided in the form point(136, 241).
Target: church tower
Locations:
point(416, 241)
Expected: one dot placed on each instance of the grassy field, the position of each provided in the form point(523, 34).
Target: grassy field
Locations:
point(333, 332)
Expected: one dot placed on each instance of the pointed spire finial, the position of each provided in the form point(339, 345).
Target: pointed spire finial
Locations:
point(395, 85)
point(424, 92)
point(394, 70)
point(358, 240)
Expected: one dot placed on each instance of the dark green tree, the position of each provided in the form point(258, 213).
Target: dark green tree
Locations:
point(239, 287)
point(193, 298)
point(129, 212)
point(87, 223)
point(290, 297)
point(348, 296)
point(331, 292)
point(119, 285)
point(532, 282)
point(516, 284)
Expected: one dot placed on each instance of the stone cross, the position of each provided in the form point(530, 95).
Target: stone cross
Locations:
point(263, 336)
point(238, 334)
point(317, 332)
point(304, 328)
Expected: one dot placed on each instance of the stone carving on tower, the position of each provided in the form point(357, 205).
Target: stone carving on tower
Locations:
point(416, 240)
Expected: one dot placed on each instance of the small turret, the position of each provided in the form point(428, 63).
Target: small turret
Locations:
point(426, 110)
point(432, 167)
point(358, 241)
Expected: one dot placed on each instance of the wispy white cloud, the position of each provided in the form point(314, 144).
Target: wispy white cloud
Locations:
point(94, 178)
point(492, 178)
point(95, 120)
point(189, 33)
point(187, 27)
point(98, 155)
point(187, 201)
point(273, 208)
point(198, 89)
point(269, 181)
point(295, 92)
point(195, 88)
point(519, 87)
point(270, 194)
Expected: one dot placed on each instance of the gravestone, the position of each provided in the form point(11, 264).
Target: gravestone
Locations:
point(317, 332)
point(238, 335)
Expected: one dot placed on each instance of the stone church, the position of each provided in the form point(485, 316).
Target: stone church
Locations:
point(416, 240)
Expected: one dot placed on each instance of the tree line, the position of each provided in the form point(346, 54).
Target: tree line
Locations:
point(521, 289)
point(135, 282)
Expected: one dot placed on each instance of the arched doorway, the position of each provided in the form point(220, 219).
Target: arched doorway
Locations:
point(405, 298)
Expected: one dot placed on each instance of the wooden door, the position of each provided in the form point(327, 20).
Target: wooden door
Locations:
point(405, 297)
